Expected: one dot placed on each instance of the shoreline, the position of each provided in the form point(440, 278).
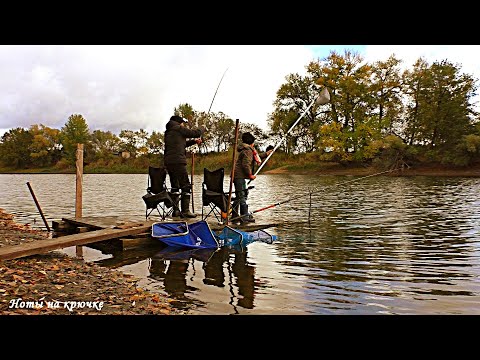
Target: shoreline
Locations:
point(56, 284)
point(337, 169)
point(316, 169)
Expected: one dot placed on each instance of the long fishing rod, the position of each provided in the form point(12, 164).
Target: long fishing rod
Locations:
point(193, 152)
point(321, 99)
point(215, 94)
point(314, 190)
point(216, 91)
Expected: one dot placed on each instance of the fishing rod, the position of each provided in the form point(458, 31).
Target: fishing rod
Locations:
point(193, 151)
point(215, 94)
point(314, 190)
point(321, 99)
point(216, 91)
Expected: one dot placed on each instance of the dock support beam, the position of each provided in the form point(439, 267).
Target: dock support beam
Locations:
point(78, 192)
point(38, 206)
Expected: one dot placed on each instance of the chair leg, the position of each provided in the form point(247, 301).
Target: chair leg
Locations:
point(216, 213)
point(162, 212)
point(148, 213)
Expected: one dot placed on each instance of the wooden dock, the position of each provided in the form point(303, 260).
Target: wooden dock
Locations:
point(43, 246)
point(103, 222)
point(128, 232)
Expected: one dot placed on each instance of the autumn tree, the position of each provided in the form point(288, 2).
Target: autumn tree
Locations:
point(45, 149)
point(15, 148)
point(132, 141)
point(185, 110)
point(439, 113)
point(75, 131)
point(293, 99)
point(221, 131)
point(386, 91)
point(105, 144)
point(156, 143)
point(350, 98)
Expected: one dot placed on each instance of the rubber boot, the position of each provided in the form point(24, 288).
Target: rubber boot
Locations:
point(186, 207)
point(176, 213)
point(246, 217)
point(236, 214)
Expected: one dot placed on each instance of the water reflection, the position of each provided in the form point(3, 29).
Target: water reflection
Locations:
point(355, 271)
point(170, 266)
point(186, 275)
point(225, 267)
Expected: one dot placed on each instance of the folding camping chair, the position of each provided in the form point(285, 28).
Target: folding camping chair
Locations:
point(214, 196)
point(158, 196)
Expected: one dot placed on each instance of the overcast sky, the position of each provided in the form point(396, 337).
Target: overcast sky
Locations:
point(136, 87)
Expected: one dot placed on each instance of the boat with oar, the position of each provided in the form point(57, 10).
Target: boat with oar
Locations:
point(198, 235)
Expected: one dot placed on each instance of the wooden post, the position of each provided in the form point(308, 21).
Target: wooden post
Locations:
point(78, 193)
point(193, 167)
point(38, 206)
point(79, 179)
point(232, 173)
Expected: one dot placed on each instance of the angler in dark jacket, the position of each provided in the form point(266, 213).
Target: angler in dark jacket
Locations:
point(247, 157)
point(175, 159)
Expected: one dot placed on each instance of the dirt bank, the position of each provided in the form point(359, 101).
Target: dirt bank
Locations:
point(57, 284)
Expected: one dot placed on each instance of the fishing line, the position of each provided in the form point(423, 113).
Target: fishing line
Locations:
point(317, 189)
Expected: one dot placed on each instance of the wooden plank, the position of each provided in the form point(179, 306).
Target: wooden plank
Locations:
point(93, 222)
point(115, 221)
point(102, 222)
point(141, 235)
point(43, 246)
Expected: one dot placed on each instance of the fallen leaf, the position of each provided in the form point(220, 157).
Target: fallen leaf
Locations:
point(16, 277)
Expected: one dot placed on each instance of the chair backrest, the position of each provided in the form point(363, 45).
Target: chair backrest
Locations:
point(213, 180)
point(157, 178)
point(212, 189)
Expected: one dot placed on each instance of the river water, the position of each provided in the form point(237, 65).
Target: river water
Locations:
point(377, 245)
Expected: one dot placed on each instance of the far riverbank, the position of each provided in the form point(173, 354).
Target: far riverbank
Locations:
point(299, 168)
point(338, 169)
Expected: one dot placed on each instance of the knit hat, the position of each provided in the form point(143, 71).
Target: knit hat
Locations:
point(248, 138)
point(177, 118)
